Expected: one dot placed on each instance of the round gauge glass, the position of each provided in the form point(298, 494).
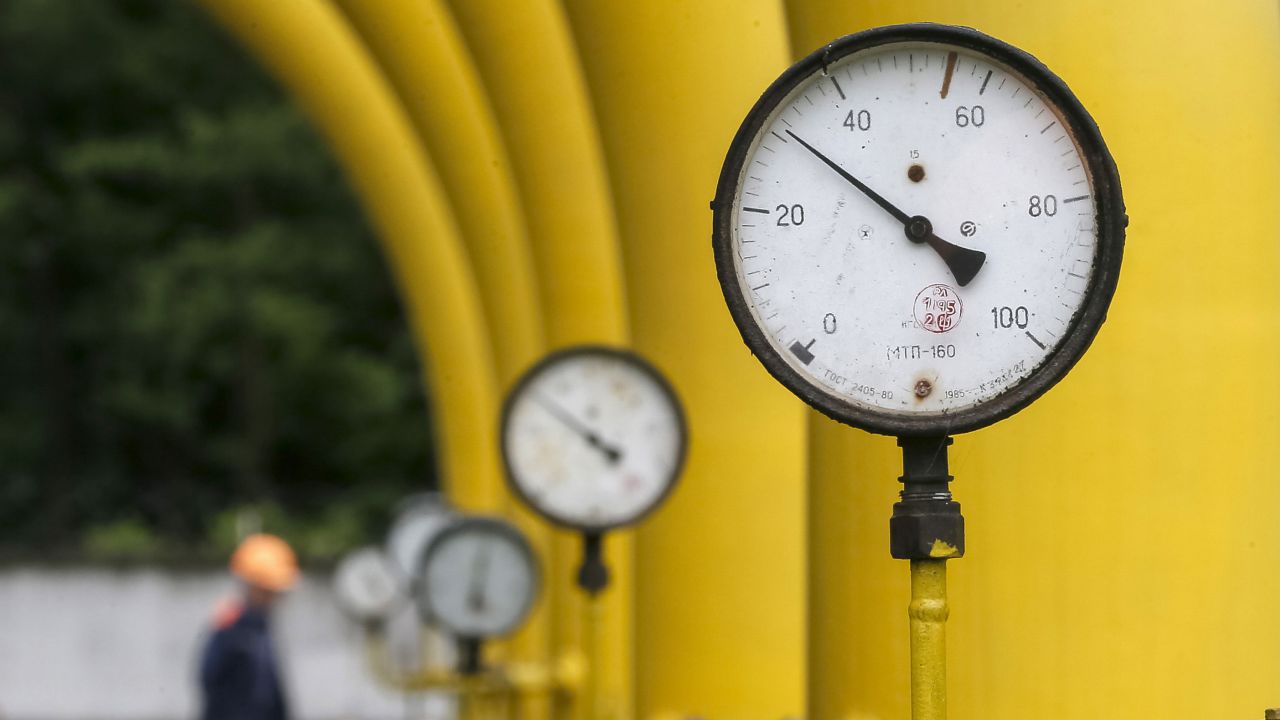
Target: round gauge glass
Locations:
point(420, 518)
point(366, 586)
point(480, 578)
point(593, 438)
point(918, 229)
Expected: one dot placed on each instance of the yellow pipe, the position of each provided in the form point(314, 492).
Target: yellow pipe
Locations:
point(719, 569)
point(310, 49)
point(527, 59)
point(419, 47)
point(426, 60)
point(928, 613)
point(592, 635)
point(1121, 557)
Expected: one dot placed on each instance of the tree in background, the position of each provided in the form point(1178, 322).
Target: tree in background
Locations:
point(194, 315)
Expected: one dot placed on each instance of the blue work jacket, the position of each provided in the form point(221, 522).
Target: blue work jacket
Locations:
point(239, 678)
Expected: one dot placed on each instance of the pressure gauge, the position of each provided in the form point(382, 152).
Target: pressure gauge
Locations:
point(480, 578)
point(366, 586)
point(593, 438)
point(918, 229)
point(420, 517)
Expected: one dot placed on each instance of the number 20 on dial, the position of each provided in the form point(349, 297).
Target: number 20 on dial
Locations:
point(918, 229)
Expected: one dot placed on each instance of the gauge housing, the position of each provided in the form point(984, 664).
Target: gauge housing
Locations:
point(1110, 220)
point(514, 474)
point(428, 598)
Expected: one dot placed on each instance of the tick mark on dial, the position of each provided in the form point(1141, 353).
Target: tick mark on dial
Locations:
point(985, 80)
point(1035, 340)
point(915, 173)
point(802, 351)
point(838, 88)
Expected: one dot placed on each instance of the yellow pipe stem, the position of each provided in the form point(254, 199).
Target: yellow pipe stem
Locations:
point(309, 48)
point(928, 612)
point(719, 569)
point(426, 59)
point(1121, 549)
point(592, 635)
point(526, 56)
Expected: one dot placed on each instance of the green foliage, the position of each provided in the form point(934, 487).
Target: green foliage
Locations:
point(121, 538)
point(197, 318)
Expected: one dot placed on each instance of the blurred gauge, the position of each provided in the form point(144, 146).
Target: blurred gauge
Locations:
point(480, 578)
point(421, 517)
point(366, 586)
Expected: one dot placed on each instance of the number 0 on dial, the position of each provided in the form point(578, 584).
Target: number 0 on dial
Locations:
point(918, 229)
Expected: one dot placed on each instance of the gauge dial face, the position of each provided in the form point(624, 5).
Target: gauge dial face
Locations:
point(366, 585)
point(418, 522)
point(480, 578)
point(593, 438)
point(913, 224)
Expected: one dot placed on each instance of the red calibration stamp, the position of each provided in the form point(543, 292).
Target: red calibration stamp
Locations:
point(938, 308)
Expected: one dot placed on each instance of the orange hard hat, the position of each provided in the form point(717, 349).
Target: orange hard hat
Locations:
point(265, 561)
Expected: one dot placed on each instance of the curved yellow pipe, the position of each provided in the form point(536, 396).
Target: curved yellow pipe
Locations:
point(306, 44)
point(525, 54)
point(719, 570)
point(423, 55)
point(1121, 550)
point(425, 59)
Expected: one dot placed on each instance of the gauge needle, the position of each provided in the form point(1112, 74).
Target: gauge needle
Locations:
point(611, 453)
point(479, 568)
point(963, 262)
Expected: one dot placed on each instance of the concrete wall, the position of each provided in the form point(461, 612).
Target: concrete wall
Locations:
point(99, 644)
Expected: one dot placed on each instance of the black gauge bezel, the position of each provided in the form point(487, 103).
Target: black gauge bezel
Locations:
point(1110, 221)
point(613, 354)
point(484, 524)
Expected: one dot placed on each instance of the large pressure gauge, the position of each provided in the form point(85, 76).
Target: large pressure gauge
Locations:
point(593, 438)
point(366, 585)
point(480, 578)
point(918, 229)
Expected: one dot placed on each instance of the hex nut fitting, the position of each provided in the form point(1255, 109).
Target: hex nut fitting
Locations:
point(926, 531)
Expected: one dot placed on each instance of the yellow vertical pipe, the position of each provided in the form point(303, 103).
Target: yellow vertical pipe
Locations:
point(526, 56)
point(928, 620)
point(1121, 557)
point(423, 55)
point(719, 571)
point(311, 50)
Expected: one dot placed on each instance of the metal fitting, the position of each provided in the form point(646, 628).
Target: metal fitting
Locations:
point(926, 524)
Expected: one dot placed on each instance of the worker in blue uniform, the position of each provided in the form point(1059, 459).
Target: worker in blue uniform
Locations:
point(239, 673)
